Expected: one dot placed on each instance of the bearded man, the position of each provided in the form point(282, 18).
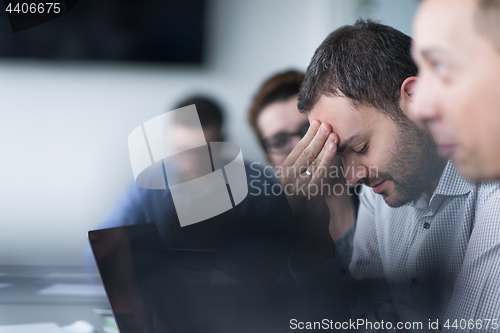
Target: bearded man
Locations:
point(421, 240)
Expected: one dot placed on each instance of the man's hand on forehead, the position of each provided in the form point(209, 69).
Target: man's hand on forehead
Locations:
point(304, 170)
point(315, 149)
point(302, 176)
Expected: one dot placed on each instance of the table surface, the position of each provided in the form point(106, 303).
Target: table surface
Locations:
point(268, 308)
point(20, 302)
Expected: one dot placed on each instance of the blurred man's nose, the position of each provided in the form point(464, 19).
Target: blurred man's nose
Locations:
point(424, 102)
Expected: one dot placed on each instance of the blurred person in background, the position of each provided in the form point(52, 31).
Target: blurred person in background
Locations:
point(279, 126)
point(252, 239)
point(457, 50)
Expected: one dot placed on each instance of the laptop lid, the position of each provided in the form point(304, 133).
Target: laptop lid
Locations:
point(148, 295)
point(139, 280)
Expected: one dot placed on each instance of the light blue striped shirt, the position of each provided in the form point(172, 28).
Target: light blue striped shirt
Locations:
point(438, 258)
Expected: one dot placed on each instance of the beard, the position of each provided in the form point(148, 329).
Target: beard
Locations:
point(414, 164)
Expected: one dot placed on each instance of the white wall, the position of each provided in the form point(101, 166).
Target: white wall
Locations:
point(64, 127)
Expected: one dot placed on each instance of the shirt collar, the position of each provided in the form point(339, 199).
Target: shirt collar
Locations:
point(451, 183)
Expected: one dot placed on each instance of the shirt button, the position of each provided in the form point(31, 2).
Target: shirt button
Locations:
point(426, 225)
point(414, 281)
point(343, 271)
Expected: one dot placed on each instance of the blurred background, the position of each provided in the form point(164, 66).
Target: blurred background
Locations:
point(70, 96)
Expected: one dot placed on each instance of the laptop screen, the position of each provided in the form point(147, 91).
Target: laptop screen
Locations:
point(140, 283)
point(153, 289)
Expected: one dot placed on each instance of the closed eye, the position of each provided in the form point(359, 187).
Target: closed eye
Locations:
point(362, 150)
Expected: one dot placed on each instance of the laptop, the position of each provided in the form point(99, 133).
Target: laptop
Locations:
point(153, 289)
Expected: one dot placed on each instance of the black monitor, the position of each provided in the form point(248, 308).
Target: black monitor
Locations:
point(147, 31)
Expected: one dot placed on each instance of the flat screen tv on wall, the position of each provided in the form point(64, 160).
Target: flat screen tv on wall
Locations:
point(148, 31)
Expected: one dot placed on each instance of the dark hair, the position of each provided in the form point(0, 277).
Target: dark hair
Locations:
point(277, 88)
point(366, 62)
point(209, 111)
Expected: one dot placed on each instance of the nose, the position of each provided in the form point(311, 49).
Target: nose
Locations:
point(353, 173)
point(423, 108)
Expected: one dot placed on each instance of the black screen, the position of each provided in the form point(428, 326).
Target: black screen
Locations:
point(157, 290)
point(169, 31)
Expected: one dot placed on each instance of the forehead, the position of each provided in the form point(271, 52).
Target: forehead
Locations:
point(344, 118)
point(444, 24)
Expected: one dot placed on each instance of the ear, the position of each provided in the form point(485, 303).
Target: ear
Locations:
point(406, 94)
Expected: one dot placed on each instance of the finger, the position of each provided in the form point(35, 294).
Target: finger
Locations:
point(317, 160)
point(303, 143)
point(314, 164)
point(322, 169)
point(313, 149)
point(332, 138)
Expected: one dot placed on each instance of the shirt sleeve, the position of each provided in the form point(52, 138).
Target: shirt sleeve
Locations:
point(476, 292)
point(129, 210)
point(335, 270)
point(357, 261)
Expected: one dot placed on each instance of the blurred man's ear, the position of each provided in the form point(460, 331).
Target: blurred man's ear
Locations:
point(406, 95)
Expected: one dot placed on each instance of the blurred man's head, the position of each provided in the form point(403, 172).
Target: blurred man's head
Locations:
point(457, 49)
point(210, 114)
point(195, 162)
point(360, 81)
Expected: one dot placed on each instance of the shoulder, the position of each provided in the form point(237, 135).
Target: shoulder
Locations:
point(484, 242)
point(488, 199)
